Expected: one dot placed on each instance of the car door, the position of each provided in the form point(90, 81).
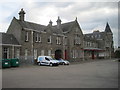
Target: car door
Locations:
point(43, 62)
point(47, 62)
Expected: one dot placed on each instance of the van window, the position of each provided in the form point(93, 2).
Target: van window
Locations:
point(47, 58)
point(40, 59)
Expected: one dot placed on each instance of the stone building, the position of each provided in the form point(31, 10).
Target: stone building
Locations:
point(64, 40)
point(103, 43)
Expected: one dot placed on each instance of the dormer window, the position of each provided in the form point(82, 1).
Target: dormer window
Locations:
point(26, 36)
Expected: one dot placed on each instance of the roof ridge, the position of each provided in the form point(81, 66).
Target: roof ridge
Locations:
point(65, 23)
point(32, 22)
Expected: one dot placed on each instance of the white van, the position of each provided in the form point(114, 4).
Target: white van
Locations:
point(47, 60)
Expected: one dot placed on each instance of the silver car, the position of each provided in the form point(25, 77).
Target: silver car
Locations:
point(63, 62)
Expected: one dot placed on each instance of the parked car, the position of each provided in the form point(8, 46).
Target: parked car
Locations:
point(63, 62)
point(47, 60)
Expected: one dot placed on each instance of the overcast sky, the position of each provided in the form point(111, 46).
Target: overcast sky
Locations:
point(91, 15)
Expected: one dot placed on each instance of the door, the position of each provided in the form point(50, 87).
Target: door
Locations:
point(93, 56)
point(58, 54)
point(6, 53)
point(66, 54)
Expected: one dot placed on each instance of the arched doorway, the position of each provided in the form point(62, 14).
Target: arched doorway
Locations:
point(58, 54)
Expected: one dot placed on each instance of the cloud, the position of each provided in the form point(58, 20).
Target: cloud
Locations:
point(91, 15)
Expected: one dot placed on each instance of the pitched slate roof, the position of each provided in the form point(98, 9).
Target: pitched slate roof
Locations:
point(64, 27)
point(30, 25)
point(96, 35)
point(9, 39)
point(67, 26)
point(89, 39)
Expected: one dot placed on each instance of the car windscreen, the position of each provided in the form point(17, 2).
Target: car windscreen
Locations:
point(49, 58)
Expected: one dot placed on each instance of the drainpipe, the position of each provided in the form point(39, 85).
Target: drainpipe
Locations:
point(32, 51)
point(64, 47)
point(110, 52)
point(13, 51)
point(83, 50)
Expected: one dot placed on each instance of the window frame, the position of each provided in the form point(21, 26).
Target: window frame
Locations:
point(58, 40)
point(26, 54)
point(77, 40)
point(26, 36)
point(35, 53)
point(49, 39)
point(18, 53)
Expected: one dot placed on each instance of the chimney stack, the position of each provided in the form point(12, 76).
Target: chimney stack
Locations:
point(21, 15)
point(59, 23)
point(50, 23)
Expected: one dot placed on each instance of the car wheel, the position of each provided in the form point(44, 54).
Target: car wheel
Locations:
point(63, 63)
point(51, 64)
point(39, 64)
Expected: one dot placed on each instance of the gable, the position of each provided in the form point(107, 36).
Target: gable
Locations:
point(9, 39)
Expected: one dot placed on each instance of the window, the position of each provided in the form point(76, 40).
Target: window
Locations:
point(36, 37)
point(88, 36)
point(77, 40)
point(6, 53)
point(26, 54)
point(65, 41)
point(99, 36)
point(49, 39)
point(26, 36)
point(35, 53)
point(18, 53)
point(49, 52)
point(90, 44)
point(58, 40)
point(92, 36)
point(42, 52)
point(75, 54)
point(87, 44)
point(39, 38)
point(95, 36)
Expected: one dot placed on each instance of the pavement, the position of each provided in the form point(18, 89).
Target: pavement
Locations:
point(88, 74)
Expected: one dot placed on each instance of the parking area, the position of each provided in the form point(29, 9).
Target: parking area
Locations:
point(97, 74)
